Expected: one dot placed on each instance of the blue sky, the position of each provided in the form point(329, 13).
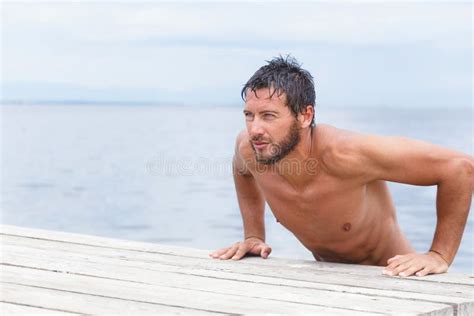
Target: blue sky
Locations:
point(360, 53)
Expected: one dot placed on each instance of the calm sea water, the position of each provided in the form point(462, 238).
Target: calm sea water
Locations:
point(162, 174)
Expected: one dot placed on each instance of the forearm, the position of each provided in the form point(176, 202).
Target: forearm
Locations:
point(252, 206)
point(453, 202)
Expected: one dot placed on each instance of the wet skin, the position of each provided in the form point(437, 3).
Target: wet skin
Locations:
point(330, 189)
point(338, 219)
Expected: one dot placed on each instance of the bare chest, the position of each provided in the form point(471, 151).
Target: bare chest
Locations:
point(325, 211)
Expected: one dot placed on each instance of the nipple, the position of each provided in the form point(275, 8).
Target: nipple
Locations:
point(347, 227)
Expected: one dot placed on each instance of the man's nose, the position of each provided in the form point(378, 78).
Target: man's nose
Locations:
point(255, 128)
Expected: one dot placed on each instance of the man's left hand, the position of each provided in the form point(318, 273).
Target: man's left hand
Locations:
point(415, 263)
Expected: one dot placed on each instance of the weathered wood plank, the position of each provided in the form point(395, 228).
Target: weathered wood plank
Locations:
point(131, 292)
point(376, 281)
point(16, 309)
point(279, 285)
point(116, 244)
point(338, 298)
point(84, 303)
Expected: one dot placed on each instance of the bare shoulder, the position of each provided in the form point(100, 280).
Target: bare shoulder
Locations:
point(368, 157)
point(242, 145)
point(340, 150)
point(243, 153)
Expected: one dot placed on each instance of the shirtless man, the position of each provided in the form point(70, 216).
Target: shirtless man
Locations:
point(328, 186)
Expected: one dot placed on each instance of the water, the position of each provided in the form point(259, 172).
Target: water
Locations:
point(162, 174)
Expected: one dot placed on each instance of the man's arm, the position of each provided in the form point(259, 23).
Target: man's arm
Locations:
point(250, 198)
point(252, 207)
point(414, 162)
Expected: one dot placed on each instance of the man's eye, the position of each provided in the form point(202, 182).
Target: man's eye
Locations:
point(248, 116)
point(268, 116)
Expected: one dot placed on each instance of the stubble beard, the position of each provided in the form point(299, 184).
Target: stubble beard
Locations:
point(278, 151)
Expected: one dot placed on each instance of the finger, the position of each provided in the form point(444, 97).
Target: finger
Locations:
point(401, 267)
point(265, 252)
point(393, 258)
point(399, 259)
point(395, 267)
point(396, 262)
point(411, 269)
point(423, 272)
point(229, 253)
point(213, 254)
point(241, 251)
point(219, 252)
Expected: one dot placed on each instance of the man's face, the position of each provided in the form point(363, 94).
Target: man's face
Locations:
point(272, 128)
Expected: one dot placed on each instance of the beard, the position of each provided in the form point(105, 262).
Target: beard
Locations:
point(279, 150)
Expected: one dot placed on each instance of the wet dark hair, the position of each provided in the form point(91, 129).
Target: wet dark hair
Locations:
point(285, 75)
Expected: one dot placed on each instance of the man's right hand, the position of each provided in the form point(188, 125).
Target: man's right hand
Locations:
point(251, 245)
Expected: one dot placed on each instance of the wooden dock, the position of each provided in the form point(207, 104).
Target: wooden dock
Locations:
point(45, 272)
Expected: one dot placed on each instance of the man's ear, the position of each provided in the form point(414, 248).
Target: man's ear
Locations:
point(306, 117)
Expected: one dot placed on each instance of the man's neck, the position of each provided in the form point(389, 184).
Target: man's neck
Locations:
point(298, 166)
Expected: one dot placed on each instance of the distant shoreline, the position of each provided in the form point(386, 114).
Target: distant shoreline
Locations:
point(85, 102)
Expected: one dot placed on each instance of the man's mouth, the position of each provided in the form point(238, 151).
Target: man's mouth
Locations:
point(259, 145)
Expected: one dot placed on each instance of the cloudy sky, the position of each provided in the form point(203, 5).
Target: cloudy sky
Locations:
point(360, 53)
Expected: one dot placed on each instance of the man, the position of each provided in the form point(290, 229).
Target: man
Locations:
point(328, 185)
